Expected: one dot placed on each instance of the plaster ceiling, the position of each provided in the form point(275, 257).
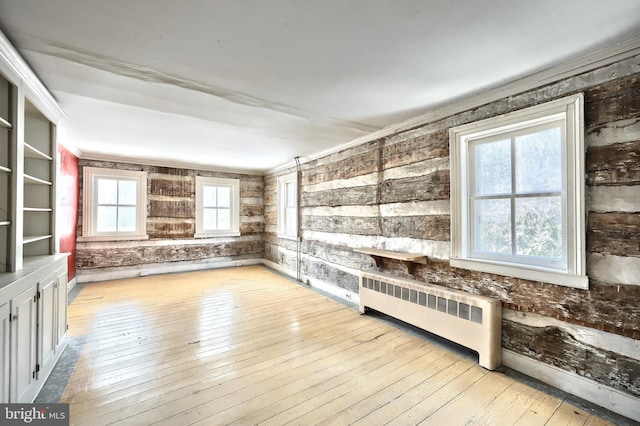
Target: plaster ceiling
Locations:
point(252, 84)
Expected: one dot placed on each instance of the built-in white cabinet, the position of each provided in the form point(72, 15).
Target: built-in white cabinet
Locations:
point(5, 351)
point(33, 276)
point(24, 329)
point(34, 324)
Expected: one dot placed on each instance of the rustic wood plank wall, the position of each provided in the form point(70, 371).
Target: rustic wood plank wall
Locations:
point(393, 193)
point(171, 225)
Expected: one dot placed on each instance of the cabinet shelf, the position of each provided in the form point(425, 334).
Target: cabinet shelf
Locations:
point(4, 123)
point(34, 238)
point(5, 223)
point(32, 152)
point(32, 180)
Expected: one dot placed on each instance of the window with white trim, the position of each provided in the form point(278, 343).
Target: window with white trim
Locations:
point(517, 194)
point(114, 204)
point(217, 207)
point(288, 206)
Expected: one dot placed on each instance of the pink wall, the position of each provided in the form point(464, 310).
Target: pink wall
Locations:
point(68, 195)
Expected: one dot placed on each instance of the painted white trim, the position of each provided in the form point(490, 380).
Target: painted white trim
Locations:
point(89, 206)
point(341, 293)
point(71, 284)
point(604, 396)
point(283, 195)
point(569, 113)
point(234, 206)
point(15, 66)
point(549, 75)
point(93, 156)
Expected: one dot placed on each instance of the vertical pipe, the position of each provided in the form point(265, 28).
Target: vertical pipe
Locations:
point(299, 222)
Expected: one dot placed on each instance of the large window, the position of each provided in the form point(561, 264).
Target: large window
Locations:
point(517, 194)
point(288, 206)
point(217, 207)
point(114, 203)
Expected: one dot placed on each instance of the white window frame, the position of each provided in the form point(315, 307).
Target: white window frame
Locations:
point(283, 182)
point(89, 204)
point(573, 271)
point(234, 185)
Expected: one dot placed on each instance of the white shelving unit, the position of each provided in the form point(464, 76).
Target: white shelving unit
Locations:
point(33, 277)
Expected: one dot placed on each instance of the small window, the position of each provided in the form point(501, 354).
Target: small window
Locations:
point(288, 206)
point(114, 204)
point(517, 194)
point(217, 207)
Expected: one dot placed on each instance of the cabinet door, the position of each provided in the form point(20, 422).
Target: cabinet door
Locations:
point(47, 320)
point(5, 344)
point(23, 346)
point(61, 308)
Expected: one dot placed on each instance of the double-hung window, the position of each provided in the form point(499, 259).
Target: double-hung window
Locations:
point(288, 206)
point(217, 207)
point(517, 194)
point(114, 203)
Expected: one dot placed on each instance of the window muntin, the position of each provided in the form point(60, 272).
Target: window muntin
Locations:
point(517, 194)
point(217, 207)
point(288, 206)
point(114, 204)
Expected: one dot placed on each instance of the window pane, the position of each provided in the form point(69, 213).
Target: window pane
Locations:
point(126, 219)
point(209, 219)
point(493, 167)
point(493, 226)
point(291, 194)
point(208, 196)
point(224, 219)
point(107, 191)
point(224, 196)
point(127, 192)
point(539, 227)
point(290, 221)
point(539, 161)
point(107, 219)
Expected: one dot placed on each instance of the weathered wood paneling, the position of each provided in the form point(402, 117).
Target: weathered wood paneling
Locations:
point(132, 256)
point(394, 194)
point(423, 227)
point(555, 346)
point(171, 216)
point(617, 164)
point(434, 186)
point(362, 195)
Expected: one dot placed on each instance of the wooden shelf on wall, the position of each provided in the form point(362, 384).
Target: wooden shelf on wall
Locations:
point(410, 260)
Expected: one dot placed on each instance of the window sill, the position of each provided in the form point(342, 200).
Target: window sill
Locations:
point(287, 237)
point(523, 272)
point(225, 234)
point(89, 238)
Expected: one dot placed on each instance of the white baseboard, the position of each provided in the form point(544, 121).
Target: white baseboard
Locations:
point(604, 396)
point(341, 293)
point(71, 284)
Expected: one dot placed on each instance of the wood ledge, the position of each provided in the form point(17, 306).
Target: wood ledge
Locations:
point(409, 259)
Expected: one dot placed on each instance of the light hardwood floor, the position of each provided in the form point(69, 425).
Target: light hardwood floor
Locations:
point(246, 346)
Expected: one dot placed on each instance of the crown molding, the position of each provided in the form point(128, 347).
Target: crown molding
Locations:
point(165, 163)
point(546, 76)
point(36, 91)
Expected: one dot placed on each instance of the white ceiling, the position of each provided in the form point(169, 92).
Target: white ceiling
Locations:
point(250, 84)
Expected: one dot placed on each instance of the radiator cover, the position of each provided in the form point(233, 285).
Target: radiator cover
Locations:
point(467, 319)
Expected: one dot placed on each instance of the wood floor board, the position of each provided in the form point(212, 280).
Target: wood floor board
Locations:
point(248, 346)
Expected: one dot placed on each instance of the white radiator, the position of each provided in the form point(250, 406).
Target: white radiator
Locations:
point(467, 319)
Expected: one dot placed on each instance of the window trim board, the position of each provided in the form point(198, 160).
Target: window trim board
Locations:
point(571, 109)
